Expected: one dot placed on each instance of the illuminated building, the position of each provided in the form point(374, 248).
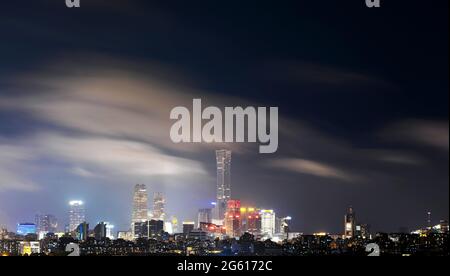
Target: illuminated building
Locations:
point(442, 227)
point(233, 218)
point(188, 226)
point(158, 206)
point(284, 225)
point(267, 223)
point(148, 229)
point(211, 228)
point(174, 221)
point(100, 231)
point(204, 215)
point(198, 235)
point(362, 231)
point(140, 205)
point(168, 227)
point(223, 159)
point(24, 229)
point(350, 224)
point(29, 247)
point(82, 231)
point(109, 230)
point(250, 220)
point(76, 214)
point(46, 223)
point(125, 235)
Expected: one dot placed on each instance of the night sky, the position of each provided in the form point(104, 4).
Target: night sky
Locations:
point(85, 98)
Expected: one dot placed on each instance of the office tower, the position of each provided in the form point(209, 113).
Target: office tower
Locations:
point(223, 159)
point(284, 225)
point(24, 229)
point(174, 221)
point(109, 230)
point(82, 231)
point(140, 206)
point(365, 231)
point(350, 224)
point(158, 206)
point(148, 229)
point(277, 225)
point(168, 227)
point(100, 231)
point(140, 203)
point(46, 223)
point(233, 218)
point(268, 223)
point(76, 214)
point(204, 215)
point(251, 220)
point(188, 226)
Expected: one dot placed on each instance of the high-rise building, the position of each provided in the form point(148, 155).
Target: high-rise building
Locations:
point(174, 221)
point(109, 231)
point(46, 223)
point(100, 231)
point(188, 227)
point(284, 225)
point(158, 206)
point(204, 215)
point(268, 223)
point(350, 224)
point(148, 229)
point(251, 220)
point(140, 205)
point(233, 218)
point(82, 231)
point(76, 214)
point(223, 159)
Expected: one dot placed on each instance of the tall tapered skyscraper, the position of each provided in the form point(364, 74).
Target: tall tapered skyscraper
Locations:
point(223, 158)
point(140, 204)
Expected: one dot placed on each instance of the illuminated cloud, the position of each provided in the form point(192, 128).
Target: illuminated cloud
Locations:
point(13, 168)
point(309, 167)
point(422, 132)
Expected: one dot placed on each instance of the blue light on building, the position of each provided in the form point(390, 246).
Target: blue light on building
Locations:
point(26, 228)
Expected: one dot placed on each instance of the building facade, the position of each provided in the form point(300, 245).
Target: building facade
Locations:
point(76, 214)
point(223, 159)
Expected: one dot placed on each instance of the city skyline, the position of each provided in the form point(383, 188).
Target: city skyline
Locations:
point(140, 211)
point(362, 96)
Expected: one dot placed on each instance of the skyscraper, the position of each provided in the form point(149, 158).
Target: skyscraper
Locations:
point(223, 158)
point(46, 223)
point(233, 218)
point(350, 224)
point(268, 223)
point(140, 206)
point(76, 214)
point(158, 206)
point(204, 215)
point(100, 231)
